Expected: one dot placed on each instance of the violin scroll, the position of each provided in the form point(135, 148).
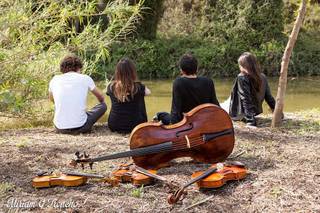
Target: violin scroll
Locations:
point(178, 195)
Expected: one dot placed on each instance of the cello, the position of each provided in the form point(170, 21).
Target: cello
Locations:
point(205, 134)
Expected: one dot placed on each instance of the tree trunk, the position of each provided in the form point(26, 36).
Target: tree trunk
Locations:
point(278, 111)
point(148, 26)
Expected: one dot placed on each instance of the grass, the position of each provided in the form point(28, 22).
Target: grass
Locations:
point(5, 187)
point(20, 123)
point(22, 142)
point(283, 171)
point(303, 122)
point(138, 192)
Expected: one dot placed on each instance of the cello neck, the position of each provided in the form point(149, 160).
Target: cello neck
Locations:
point(163, 147)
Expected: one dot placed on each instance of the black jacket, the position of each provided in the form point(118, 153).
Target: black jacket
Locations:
point(187, 93)
point(245, 103)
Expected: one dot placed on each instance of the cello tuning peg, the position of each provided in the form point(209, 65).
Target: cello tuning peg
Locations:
point(78, 155)
point(85, 155)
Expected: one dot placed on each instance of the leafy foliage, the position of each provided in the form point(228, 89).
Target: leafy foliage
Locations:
point(35, 35)
point(218, 31)
point(159, 58)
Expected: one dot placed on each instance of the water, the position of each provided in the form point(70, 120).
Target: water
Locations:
point(302, 94)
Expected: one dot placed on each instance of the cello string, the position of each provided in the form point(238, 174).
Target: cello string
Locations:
point(184, 145)
point(192, 140)
point(178, 145)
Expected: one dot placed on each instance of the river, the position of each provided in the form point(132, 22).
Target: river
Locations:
point(303, 93)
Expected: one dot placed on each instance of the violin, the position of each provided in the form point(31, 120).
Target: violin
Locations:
point(223, 174)
point(128, 173)
point(205, 134)
point(68, 179)
point(216, 176)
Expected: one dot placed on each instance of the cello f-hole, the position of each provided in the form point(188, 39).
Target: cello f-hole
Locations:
point(184, 130)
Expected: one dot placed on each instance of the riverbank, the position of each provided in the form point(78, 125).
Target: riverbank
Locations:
point(283, 164)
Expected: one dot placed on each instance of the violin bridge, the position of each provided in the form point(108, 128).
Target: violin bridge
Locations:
point(188, 142)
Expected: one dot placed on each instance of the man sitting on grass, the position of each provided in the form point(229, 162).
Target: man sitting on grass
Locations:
point(69, 93)
point(188, 91)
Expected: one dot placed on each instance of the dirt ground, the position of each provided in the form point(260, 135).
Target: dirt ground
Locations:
point(284, 166)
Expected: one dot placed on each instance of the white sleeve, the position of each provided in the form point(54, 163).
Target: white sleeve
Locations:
point(91, 84)
point(50, 85)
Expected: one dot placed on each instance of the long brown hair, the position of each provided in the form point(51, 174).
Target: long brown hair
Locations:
point(249, 62)
point(125, 77)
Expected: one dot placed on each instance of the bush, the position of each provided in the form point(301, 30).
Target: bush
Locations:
point(35, 35)
point(159, 58)
point(217, 32)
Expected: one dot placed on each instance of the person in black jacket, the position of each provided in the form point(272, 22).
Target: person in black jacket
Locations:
point(249, 90)
point(189, 91)
point(127, 98)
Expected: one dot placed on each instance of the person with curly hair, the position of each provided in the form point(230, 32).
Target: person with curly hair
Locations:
point(69, 93)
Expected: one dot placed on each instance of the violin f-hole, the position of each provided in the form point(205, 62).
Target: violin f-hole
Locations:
point(184, 130)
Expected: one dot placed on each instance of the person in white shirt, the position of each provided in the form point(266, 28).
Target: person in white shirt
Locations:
point(69, 93)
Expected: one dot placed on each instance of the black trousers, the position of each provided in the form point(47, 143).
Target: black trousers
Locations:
point(93, 116)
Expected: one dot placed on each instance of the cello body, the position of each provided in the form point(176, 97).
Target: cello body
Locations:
point(205, 134)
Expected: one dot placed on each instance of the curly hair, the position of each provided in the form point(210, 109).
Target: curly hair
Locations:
point(70, 63)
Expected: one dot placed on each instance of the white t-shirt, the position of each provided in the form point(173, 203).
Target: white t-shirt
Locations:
point(70, 92)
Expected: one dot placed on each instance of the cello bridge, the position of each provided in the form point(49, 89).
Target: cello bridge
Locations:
point(188, 141)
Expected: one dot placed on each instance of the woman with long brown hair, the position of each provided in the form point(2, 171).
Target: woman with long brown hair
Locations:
point(250, 88)
point(127, 98)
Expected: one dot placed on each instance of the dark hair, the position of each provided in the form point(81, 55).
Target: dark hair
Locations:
point(188, 64)
point(70, 63)
point(125, 77)
point(249, 62)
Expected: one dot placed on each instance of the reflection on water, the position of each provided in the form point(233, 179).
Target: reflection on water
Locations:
point(302, 94)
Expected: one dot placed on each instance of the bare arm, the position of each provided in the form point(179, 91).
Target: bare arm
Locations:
point(98, 95)
point(147, 91)
point(51, 97)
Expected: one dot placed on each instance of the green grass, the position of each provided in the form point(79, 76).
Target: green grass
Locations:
point(22, 143)
point(306, 122)
point(6, 187)
point(138, 192)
